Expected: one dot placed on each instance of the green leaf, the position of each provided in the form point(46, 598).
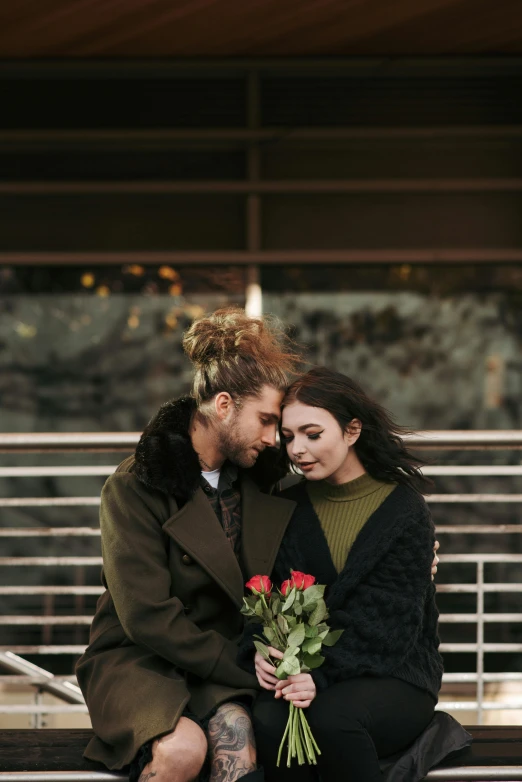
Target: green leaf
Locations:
point(259, 608)
point(282, 624)
point(291, 651)
point(322, 626)
point(289, 600)
point(310, 632)
point(312, 646)
point(263, 650)
point(291, 621)
point(313, 661)
point(333, 637)
point(270, 635)
point(298, 609)
point(322, 635)
point(275, 605)
point(313, 593)
point(291, 666)
point(319, 613)
point(281, 673)
point(297, 635)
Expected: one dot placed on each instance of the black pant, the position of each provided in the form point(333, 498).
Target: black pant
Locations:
point(354, 722)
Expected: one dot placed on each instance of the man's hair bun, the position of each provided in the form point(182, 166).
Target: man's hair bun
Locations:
point(239, 354)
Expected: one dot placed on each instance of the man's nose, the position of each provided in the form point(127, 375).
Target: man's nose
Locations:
point(269, 437)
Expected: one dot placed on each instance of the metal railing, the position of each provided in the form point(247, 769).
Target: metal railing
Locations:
point(23, 673)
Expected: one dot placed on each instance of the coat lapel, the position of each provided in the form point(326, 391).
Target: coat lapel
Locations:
point(197, 530)
point(264, 521)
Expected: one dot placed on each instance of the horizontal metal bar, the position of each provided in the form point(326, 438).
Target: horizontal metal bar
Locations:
point(473, 618)
point(47, 502)
point(456, 498)
point(49, 561)
point(22, 680)
point(479, 529)
point(52, 590)
point(63, 776)
point(450, 774)
point(38, 620)
point(48, 649)
point(461, 647)
point(408, 256)
point(37, 708)
point(67, 691)
point(58, 472)
point(262, 134)
point(515, 705)
point(465, 588)
point(481, 557)
point(113, 441)
point(65, 441)
point(8, 619)
point(245, 187)
point(51, 532)
point(451, 678)
point(486, 470)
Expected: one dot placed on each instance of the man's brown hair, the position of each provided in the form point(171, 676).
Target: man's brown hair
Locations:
point(239, 354)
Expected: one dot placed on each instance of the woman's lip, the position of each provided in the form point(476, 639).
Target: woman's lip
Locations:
point(305, 464)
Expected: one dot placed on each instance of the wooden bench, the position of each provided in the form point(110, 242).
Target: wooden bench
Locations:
point(52, 755)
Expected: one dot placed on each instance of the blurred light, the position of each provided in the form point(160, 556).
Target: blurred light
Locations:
point(135, 269)
point(88, 280)
point(167, 273)
point(103, 291)
point(175, 289)
point(194, 311)
point(133, 321)
point(25, 330)
point(171, 320)
point(404, 271)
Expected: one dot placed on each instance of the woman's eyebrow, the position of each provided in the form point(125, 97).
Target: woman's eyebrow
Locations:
point(302, 428)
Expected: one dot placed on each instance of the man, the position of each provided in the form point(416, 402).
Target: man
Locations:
point(185, 522)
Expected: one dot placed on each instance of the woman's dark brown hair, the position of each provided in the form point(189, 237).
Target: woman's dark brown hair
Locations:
point(239, 354)
point(380, 446)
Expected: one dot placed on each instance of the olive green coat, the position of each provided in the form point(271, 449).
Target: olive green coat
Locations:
point(165, 631)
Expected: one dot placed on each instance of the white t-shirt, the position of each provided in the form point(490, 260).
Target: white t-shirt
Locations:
point(212, 477)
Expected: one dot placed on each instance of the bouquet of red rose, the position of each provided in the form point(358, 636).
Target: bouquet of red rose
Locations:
point(293, 620)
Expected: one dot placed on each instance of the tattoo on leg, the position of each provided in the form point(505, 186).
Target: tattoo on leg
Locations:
point(146, 777)
point(232, 744)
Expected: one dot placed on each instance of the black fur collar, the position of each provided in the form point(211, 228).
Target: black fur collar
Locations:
point(165, 459)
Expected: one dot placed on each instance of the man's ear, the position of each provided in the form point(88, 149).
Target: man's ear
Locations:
point(353, 431)
point(223, 405)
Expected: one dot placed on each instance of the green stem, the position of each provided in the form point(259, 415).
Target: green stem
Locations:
point(301, 746)
point(290, 737)
point(311, 735)
point(306, 735)
point(285, 734)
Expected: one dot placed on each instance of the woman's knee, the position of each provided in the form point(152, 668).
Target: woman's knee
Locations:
point(184, 749)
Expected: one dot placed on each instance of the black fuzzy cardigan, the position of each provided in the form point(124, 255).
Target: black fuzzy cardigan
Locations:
point(384, 597)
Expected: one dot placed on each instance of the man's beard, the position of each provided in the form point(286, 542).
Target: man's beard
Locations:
point(236, 450)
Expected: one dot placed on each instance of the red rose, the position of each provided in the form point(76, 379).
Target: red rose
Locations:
point(302, 580)
point(260, 584)
point(286, 586)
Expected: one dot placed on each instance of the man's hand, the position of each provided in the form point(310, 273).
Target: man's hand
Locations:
point(299, 689)
point(435, 559)
point(265, 670)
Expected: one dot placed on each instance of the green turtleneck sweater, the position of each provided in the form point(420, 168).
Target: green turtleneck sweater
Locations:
point(343, 510)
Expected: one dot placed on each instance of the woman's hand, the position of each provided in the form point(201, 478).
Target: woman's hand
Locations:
point(299, 689)
point(265, 670)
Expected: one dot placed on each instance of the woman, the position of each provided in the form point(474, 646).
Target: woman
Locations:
point(362, 528)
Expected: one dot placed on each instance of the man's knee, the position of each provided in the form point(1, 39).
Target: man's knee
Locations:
point(184, 750)
point(230, 729)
